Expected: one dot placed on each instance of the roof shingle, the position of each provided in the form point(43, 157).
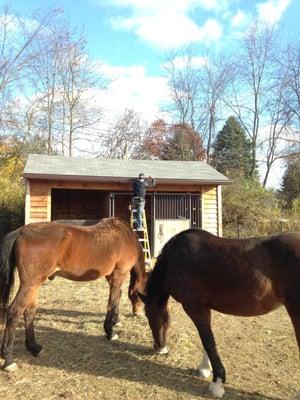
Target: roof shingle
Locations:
point(55, 167)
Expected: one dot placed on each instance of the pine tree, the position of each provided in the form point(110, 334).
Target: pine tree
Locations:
point(232, 150)
point(290, 187)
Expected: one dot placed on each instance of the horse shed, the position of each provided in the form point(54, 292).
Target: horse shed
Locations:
point(187, 193)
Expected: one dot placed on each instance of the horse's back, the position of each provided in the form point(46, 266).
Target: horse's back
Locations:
point(237, 276)
point(77, 249)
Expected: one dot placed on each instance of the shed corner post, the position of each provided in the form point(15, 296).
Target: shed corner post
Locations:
point(49, 202)
point(27, 201)
point(219, 200)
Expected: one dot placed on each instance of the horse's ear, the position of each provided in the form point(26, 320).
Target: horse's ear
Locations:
point(143, 297)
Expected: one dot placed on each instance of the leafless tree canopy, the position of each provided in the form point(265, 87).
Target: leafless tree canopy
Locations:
point(47, 80)
point(258, 83)
point(49, 87)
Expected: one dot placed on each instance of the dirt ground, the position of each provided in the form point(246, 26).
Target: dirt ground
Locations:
point(260, 354)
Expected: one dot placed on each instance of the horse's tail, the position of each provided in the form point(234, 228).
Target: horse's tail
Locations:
point(137, 274)
point(7, 267)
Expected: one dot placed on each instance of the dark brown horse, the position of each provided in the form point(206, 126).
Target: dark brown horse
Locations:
point(44, 250)
point(244, 277)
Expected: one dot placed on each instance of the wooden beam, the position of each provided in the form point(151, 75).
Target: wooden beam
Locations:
point(27, 202)
point(219, 200)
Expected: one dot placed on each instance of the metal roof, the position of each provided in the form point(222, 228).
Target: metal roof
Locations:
point(119, 170)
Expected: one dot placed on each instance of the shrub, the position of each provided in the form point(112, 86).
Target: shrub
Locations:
point(249, 209)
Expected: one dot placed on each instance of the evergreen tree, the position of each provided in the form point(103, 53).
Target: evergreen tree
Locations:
point(290, 187)
point(232, 150)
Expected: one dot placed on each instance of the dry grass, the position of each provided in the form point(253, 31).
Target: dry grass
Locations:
point(260, 354)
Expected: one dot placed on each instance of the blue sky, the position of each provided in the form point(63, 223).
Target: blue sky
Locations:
point(131, 38)
point(139, 32)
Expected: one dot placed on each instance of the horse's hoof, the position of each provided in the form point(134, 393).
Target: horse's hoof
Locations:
point(115, 336)
point(37, 352)
point(216, 389)
point(118, 324)
point(163, 350)
point(11, 367)
point(204, 372)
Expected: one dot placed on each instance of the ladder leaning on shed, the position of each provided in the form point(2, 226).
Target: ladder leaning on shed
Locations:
point(144, 238)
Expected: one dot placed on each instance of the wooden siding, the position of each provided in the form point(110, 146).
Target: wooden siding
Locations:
point(210, 209)
point(38, 199)
point(39, 202)
point(120, 187)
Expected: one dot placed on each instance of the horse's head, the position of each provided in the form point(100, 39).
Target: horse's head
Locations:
point(142, 297)
point(142, 291)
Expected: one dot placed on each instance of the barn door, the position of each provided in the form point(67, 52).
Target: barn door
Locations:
point(174, 212)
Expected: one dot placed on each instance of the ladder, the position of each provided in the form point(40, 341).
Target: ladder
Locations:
point(142, 234)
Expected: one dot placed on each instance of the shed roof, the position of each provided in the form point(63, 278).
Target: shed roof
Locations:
point(87, 169)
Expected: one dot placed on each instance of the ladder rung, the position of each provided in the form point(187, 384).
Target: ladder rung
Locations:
point(144, 239)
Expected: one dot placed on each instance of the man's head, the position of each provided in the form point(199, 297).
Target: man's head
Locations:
point(141, 176)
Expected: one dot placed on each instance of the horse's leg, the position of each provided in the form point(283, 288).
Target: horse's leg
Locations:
point(25, 296)
point(204, 367)
point(30, 342)
point(137, 304)
point(112, 314)
point(293, 310)
point(158, 317)
point(202, 319)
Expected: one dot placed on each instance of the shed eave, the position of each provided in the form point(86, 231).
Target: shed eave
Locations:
point(116, 179)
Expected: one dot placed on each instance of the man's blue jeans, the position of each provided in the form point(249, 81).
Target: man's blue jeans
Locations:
point(139, 205)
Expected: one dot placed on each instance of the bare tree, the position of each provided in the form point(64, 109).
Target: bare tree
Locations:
point(214, 80)
point(197, 91)
point(78, 76)
point(124, 138)
point(291, 61)
point(183, 85)
point(16, 38)
point(45, 80)
point(253, 81)
point(279, 132)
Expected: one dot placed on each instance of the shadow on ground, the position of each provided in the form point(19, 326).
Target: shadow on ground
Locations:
point(83, 352)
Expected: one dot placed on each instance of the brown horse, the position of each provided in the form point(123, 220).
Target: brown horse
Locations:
point(44, 250)
point(244, 277)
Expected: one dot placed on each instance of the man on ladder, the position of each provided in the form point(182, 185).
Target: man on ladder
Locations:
point(138, 215)
point(139, 193)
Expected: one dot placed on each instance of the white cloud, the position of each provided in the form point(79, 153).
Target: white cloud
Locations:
point(239, 20)
point(169, 30)
point(271, 11)
point(155, 6)
point(167, 24)
point(214, 5)
point(181, 62)
point(131, 87)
